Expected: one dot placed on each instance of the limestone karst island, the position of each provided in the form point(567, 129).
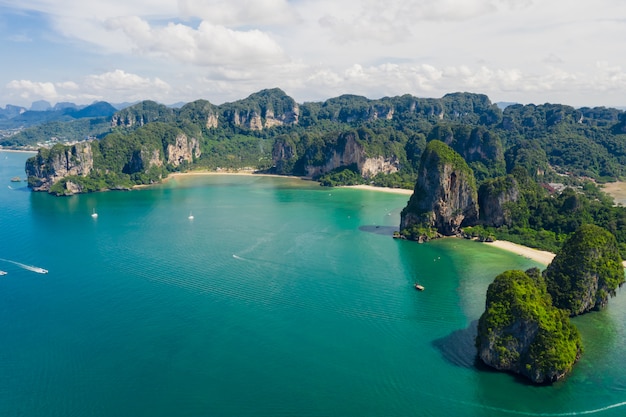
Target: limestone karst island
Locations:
point(530, 174)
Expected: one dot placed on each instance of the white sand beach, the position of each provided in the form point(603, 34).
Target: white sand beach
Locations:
point(540, 256)
point(381, 189)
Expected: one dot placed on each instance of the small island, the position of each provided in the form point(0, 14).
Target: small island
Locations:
point(525, 328)
point(522, 332)
point(586, 271)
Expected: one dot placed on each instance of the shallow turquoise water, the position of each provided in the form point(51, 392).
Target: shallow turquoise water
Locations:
point(279, 298)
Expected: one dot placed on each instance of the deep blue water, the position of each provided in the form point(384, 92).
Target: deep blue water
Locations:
point(280, 298)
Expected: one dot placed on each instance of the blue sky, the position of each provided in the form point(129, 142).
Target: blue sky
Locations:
point(527, 51)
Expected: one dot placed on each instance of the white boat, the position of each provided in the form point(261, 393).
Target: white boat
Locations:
point(3, 272)
point(190, 216)
point(94, 214)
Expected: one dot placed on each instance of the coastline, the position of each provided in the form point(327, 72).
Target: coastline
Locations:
point(254, 173)
point(541, 256)
point(17, 150)
point(403, 191)
point(224, 172)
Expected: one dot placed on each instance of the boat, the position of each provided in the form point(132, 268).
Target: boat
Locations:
point(190, 216)
point(94, 214)
point(3, 272)
point(16, 179)
point(419, 287)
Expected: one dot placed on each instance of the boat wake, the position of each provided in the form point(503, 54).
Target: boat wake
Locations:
point(528, 413)
point(28, 267)
point(571, 413)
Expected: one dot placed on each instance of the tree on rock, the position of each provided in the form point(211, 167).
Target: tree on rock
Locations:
point(522, 332)
point(587, 269)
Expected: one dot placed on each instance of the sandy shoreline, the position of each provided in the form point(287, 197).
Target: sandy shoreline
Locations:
point(403, 191)
point(240, 172)
point(541, 256)
point(16, 150)
point(251, 172)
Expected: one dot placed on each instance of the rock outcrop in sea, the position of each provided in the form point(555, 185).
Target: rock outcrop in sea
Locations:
point(523, 333)
point(445, 195)
point(115, 162)
point(586, 271)
point(51, 165)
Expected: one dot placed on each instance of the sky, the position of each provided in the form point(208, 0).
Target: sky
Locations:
point(526, 51)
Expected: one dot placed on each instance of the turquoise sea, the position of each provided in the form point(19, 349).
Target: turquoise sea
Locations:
point(279, 298)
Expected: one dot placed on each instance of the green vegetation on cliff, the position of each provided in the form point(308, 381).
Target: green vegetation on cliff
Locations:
point(585, 271)
point(444, 197)
point(522, 332)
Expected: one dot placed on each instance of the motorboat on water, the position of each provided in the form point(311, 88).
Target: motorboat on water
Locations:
point(418, 287)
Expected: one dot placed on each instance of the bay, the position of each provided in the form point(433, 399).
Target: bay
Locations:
point(279, 297)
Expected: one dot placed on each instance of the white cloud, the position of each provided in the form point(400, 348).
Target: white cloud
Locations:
point(31, 90)
point(207, 45)
point(239, 13)
point(223, 50)
point(120, 80)
point(112, 86)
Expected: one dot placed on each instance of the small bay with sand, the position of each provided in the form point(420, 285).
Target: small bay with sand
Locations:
point(279, 297)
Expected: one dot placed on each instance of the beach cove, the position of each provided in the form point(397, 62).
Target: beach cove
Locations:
point(280, 297)
point(540, 256)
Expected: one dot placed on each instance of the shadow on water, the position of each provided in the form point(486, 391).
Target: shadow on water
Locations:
point(459, 347)
point(379, 230)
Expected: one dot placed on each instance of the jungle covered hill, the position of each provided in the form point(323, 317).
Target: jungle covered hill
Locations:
point(546, 139)
point(552, 155)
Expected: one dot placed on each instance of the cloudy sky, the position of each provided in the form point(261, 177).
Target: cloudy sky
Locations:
point(526, 51)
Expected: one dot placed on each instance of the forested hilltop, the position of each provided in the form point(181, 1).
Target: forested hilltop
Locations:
point(529, 152)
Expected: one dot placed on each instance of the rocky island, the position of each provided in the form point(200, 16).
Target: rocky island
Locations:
point(525, 328)
point(586, 271)
point(523, 333)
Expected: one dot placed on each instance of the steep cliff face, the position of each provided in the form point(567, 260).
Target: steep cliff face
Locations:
point(493, 196)
point(586, 271)
point(118, 161)
point(445, 195)
point(262, 110)
point(184, 149)
point(141, 114)
point(349, 152)
point(142, 159)
point(523, 333)
point(49, 166)
point(262, 118)
point(284, 156)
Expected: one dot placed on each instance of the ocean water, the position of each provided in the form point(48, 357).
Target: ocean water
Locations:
point(279, 298)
